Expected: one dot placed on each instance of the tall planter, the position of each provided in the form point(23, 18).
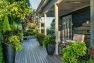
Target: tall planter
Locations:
point(9, 53)
point(50, 49)
point(49, 42)
point(41, 42)
point(40, 37)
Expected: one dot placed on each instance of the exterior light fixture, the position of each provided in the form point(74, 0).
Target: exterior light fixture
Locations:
point(87, 22)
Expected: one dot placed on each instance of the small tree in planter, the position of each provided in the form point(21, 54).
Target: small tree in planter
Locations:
point(12, 11)
point(40, 37)
point(49, 43)
point(11, 42)
point(10, 47)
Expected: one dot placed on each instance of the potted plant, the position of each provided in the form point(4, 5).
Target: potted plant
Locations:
point(12, 11)
point(10, 48)
point(40, 37)
point(11, 42)
point(49, 42)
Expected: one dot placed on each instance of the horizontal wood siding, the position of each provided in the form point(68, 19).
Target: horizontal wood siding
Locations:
point(79, 19)
point(80, 25)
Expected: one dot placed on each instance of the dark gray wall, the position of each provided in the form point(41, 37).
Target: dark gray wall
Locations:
point(81, 16)
point(78, 17)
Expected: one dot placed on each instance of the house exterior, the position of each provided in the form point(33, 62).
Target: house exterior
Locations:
point(71, 17)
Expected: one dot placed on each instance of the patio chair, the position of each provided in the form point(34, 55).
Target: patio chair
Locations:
point(76, 38)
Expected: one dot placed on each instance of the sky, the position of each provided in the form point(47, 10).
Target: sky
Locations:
point(48, 21)
point(34, 5)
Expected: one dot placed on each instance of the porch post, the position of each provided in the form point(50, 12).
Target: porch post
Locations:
point(56, 28)
point(39, 25)
point(92, 22)
point(45, 31)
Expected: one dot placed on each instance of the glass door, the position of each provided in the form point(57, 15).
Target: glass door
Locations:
point(67, 27)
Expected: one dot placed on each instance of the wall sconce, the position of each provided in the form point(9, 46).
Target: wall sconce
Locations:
point(87, 22)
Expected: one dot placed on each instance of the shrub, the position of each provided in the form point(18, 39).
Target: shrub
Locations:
point(29, 32)
point(49, 40)
point(40, 36)
point(14, 40)
point(73, 51)
point(6, 25)
point(20, 34)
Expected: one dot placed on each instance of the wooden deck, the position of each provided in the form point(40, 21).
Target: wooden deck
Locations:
point(33, 53)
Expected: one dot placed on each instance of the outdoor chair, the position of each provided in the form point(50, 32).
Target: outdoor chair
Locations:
point(76, 38)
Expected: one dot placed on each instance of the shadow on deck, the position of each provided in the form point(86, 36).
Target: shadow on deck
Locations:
point(33, 53)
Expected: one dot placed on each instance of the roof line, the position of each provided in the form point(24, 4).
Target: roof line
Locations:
point(42, 4)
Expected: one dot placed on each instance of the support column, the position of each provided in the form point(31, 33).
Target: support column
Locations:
point(45, 31)
point(92, 23)
point(56, 28)
point(39, 25)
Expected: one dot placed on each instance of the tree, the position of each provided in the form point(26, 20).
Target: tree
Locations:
point(52, 28)
point(53, 24)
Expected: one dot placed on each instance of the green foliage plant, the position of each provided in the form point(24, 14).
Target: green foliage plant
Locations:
point(49, 40)
point(9, 36)
point(17, 10)
point(6, 25)
point(31, 30)
point(20, 34)
point(14, 40)
point(40, 36)
point(73, 51)
point(11, 11)
point(14, 26)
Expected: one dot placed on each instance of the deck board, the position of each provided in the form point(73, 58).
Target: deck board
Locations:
point(33, 53)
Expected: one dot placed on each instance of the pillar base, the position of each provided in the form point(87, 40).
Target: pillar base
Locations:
point(56, 49)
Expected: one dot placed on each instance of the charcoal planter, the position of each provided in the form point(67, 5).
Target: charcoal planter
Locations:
point(40, 42)
point(9, 53)
point(50, 49)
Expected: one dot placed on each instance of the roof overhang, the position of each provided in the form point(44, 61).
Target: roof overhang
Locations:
point(46, 5)
point(65, 6)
